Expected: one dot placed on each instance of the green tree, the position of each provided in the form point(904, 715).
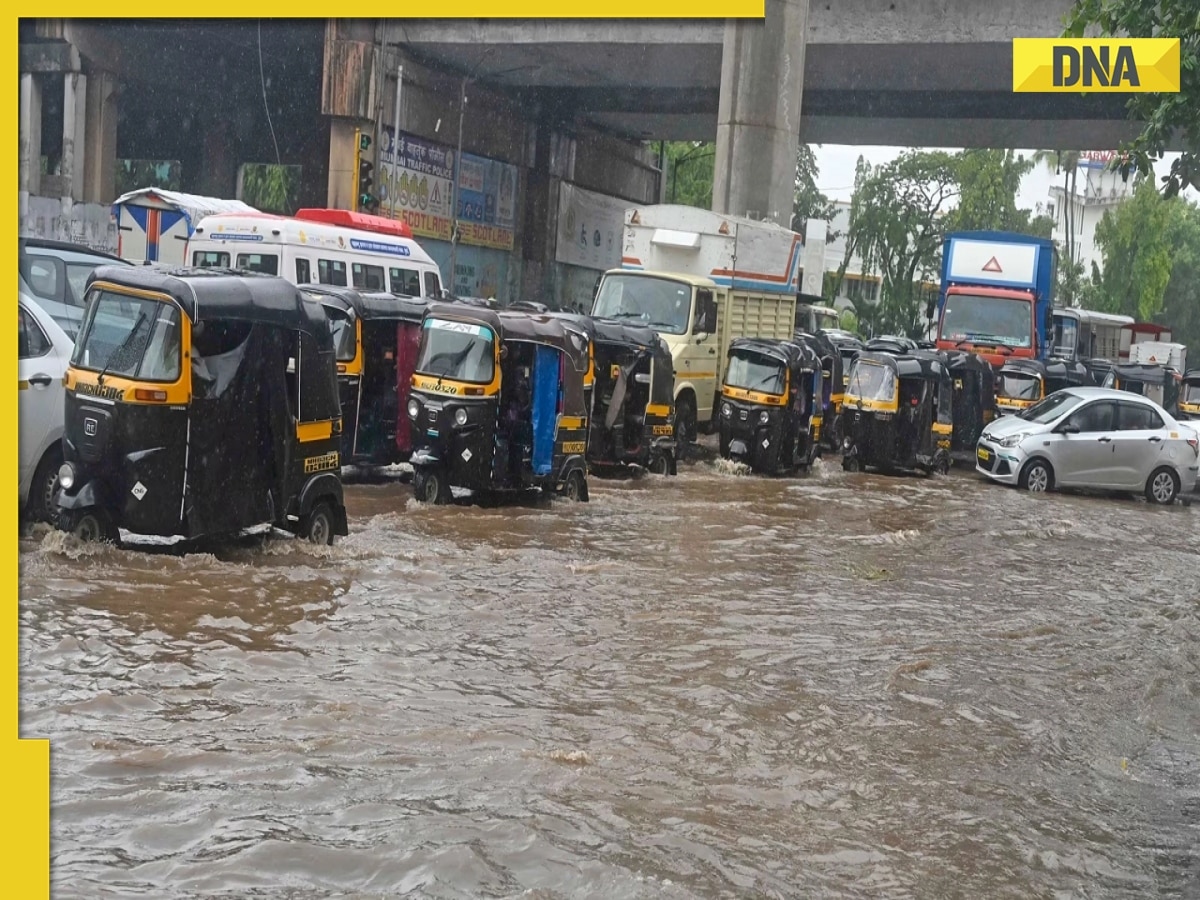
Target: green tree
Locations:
point(1135, 241)
point(1181, 300)
point(848, 320)
point(810, 203)
point(1163, 115)
point(896, 227)
point(989, 181)
point(689, 172)
point(271, 188)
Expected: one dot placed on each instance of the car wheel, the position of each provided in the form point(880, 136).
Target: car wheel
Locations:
point(318, 524)
point(1162, 487)
point(1036, 477)
point(44, 487)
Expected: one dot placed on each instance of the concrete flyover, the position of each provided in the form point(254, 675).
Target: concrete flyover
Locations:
point(934, 73)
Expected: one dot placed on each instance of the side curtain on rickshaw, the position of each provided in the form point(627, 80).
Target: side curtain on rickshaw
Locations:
point(547, 377)
point(408, 339)
point(238, 422)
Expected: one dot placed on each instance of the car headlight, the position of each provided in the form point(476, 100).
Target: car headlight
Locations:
point(726, 410)
point(414, 409)
point(1013, 439)
point(66, 476)
point(460, 416)
point(763, 417)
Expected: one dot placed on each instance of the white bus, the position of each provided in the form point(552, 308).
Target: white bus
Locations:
point(319, 246)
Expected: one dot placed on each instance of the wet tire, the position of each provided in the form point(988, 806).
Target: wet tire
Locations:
point(430, 486)
point(1036, 477)
point(942, 467)
point(850, 464)
point(317, 527)
point(94, 526)
point(685, 425)
point(660, 465)
point(1162, 487)
point(575, 488)
point(44, 488)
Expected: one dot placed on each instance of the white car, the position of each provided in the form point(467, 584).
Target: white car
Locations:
point(44, 351)
point(1093, 438)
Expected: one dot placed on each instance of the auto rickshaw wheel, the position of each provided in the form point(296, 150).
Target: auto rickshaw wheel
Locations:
point(44, 489)
point(93, 526)
point(317, 526)
point(429, 486)
point(576, 487)
point(660, 465)
point(942, 466)
point(850, 464)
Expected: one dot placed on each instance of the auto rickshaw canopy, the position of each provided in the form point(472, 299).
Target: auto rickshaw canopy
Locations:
point(369, 305)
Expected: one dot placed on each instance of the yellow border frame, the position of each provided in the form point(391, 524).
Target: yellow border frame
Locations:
point(26, 762)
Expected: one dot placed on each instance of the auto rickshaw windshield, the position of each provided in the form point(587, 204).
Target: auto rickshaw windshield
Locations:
point(753, 372)
point(130, 337)
point(462, 351)
point(1191, 392)
point(871, 381)
point(1019, 386)
point(345, 336)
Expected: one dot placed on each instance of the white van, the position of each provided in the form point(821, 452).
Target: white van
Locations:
point(319, 246)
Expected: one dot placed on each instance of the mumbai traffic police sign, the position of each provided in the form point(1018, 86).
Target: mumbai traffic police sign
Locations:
point(1096, 65)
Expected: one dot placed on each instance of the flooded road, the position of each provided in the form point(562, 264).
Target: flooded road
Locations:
point(708, 686)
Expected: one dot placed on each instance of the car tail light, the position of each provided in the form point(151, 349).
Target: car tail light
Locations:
point(1194, 443)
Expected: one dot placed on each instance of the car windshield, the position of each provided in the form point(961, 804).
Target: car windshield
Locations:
point(1019, 386)
point(132, 337)
point(755, 372)
point(659, 303)
point(871, 381)
point(463, 351)
point(1053, 407)
point(990, 320)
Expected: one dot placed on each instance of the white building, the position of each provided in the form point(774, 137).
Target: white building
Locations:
point(1097, 190)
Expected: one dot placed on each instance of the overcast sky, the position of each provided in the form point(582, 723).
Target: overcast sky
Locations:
point(835, 167)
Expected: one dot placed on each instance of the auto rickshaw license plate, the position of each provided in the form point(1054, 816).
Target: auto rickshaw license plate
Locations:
point(984, 455)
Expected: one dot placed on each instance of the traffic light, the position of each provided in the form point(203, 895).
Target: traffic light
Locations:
point(367, 201)
point(364, 142)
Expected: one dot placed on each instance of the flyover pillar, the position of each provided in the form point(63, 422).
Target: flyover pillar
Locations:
point(758, 119)
point(29, 178)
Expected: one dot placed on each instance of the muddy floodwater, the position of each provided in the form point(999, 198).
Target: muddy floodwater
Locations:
point(708, 686)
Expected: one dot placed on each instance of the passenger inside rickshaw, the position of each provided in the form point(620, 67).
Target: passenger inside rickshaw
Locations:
point(380, 406)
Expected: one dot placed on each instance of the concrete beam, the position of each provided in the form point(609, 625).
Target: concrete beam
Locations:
point(49, 56)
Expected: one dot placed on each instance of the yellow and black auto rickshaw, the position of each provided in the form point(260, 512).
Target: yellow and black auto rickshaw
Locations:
point(1162, 384)
point(632, 415)
point(833, 386)
point(200, 402)
point(1189, 395)
point(899, 413)
point(974, 400)
point(770, 411)
point(375, 337)
point(1021, 383)
point(499, 404)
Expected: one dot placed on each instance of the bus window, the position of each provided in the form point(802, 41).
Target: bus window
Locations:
point(406, 281)
point(267, 263)
point(367, 278)
point(210, 259)
point(433, 286)
point(331, 271)
point(303, 272)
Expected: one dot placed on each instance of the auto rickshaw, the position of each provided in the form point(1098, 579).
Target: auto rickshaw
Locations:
point(770, 415)
point(499, 404)
point(200, 402)
point(1021, 383)
point(833, 387)
point(891, 343)
point(1160, 383)
point(974, 400)
point(1189, 395)
point(632, 419)
point(849, 346)
point(375, 340)
point(899, 413)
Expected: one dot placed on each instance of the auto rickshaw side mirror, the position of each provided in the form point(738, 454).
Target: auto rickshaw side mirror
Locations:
point(291, 365)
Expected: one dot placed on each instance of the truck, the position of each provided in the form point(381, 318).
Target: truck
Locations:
point(701, 279)
point(812, 314)
point(996, 295)
point(155, 225)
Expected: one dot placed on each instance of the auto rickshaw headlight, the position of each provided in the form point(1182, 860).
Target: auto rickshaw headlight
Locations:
point(66, 476)
point(763, 417)
point(726, 410)
point(414, 409)
point(460, 416)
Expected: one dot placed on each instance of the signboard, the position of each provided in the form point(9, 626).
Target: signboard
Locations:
point(424, 192)
point(980, 262)
point(590, 226)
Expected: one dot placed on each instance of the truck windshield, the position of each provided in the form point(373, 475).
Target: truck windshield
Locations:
point(992, 320)
point(754, 372)
point(1017, 386)
point(659, 303)
point(462, 351)
point(131, 337)
point(871, 381)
